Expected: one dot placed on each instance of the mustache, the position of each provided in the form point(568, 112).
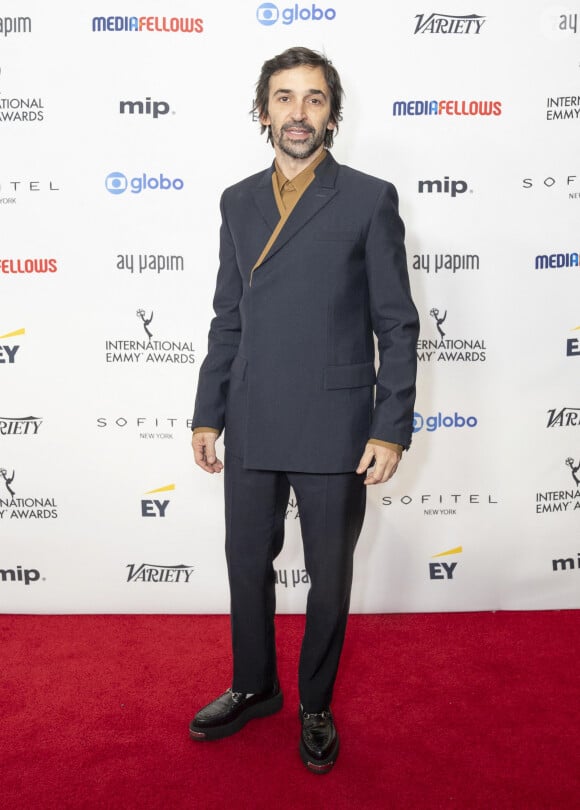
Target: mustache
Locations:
point(301, 127)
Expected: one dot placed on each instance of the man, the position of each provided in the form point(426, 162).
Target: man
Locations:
point(312, 262)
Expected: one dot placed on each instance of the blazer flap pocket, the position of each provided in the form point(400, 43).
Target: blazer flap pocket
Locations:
point(239, 367)
point(352, 376)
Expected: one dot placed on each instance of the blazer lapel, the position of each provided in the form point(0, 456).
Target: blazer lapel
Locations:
point(317, 195)
point(264, 199)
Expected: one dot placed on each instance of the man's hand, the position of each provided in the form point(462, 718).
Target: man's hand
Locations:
point(204, 451)
point(385, 466)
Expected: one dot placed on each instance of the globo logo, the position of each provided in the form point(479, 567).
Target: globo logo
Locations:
point(432, 423)
point(118, 183)
point(269, 13)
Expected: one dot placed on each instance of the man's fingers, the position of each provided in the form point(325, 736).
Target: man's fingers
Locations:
point(204, 452)
point(366, 460)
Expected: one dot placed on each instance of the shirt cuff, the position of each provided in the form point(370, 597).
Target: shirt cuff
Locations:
point(398, 448)
point(206, 430)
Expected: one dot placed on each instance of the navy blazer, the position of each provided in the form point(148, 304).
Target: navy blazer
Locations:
point(290, 369)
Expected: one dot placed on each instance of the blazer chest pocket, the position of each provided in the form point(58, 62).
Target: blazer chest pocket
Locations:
point(356, 375)
point(337, 235)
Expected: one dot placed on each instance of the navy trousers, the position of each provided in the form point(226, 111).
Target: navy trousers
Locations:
point(331, 511)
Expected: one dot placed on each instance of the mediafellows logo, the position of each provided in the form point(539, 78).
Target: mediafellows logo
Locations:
point(118, 183)
point(448, 23)
point(269, 13)
point(165, 25)
point(28, 266)
point(551, 261)
point(447, 107)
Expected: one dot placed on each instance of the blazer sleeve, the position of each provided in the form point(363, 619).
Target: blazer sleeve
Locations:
point(394, 320)
point(224, 335)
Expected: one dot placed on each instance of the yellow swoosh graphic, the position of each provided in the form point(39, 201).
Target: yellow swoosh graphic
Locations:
point(457, 550)
point(13, 334)
point(168, 488)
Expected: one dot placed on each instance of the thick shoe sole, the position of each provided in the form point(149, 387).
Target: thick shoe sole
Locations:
point(319, 766)
point(263, 709)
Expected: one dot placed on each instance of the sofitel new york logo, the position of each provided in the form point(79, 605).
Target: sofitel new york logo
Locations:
point(149, 350)
point(19, 425)
point(441, 504)
point(562, 500)
point(147, 427)
point(449, 350)
point(145, 572)
point(13, 507)
point(448, 23)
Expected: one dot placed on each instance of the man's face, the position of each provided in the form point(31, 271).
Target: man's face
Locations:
point(298, 110)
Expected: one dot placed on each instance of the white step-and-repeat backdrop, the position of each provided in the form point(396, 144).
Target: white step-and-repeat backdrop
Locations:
point(120, 125)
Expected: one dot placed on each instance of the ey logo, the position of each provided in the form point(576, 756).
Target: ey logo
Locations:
point(443, 570)
point(7, 352)
point(573, 344)
point(151, 507)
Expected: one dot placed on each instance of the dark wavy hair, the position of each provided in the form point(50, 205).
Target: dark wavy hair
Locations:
point(295, 57)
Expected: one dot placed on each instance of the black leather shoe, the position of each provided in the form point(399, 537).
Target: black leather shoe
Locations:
point(319, 741)
point(231, 711)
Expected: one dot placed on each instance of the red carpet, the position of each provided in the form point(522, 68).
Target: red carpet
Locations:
point(469, 711)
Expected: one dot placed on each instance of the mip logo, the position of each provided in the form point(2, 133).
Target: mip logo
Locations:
point(269, 13)
point(118, 183)
point(433, 423)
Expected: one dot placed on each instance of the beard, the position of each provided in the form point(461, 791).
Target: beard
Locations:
point(298, 149)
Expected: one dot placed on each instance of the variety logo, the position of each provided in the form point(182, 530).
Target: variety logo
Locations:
point(151, 507)
point(149, 350)
point(144, 572)
point(561, 500)
point(148, 427)
point(20, 574)
point(8, 352)
point(563, 108)
point(15, 25)
point(446, 107)
point(298, 576)
point(20, 425)
point(556, 260)
point(166, 25)
point(433, 423)
point(441, 505)
point(14, 187)
point(269, 13)
point(445, 186)
point(16, 508)
point(143, 262)
point(28, 266)
point(452, 262)
point(118, 183)
point(448, 23)
point(572, 345)
point(444, 570)
point(450, 350)
point(147, 107)
point(564, 417)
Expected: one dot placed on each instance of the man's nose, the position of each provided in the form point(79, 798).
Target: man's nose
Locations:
point(298, 111)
